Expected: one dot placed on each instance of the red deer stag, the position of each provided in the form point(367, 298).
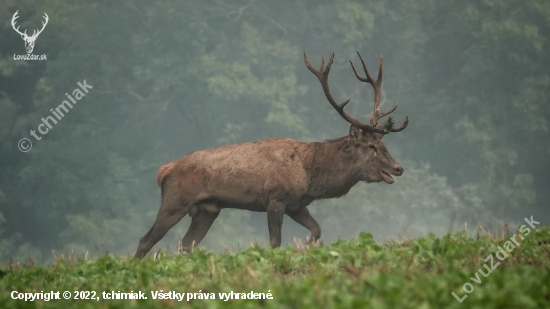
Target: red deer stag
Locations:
point(278, 176)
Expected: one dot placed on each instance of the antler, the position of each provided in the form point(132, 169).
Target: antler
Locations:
point(13, 24)
point(34, 33)
point(322, 75)
point(377, 85)
point(43, 25)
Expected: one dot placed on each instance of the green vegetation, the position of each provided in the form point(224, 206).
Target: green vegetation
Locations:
point(355, 273)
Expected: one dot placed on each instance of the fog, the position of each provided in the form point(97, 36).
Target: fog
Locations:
point(168, 78)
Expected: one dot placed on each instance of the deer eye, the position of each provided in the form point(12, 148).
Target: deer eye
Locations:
point(372, 147)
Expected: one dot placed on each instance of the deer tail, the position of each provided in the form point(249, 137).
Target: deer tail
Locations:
point(164, 171)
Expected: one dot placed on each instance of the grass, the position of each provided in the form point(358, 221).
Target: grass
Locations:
point(356, 273)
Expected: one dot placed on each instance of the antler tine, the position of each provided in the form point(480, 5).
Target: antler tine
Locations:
point(357, 74)
point(377, 85)
point(367, 79)
point(380, 70)
point(15, 16)
point(322, 69)
point(401, 127)
point(390, 111)
point(322, 75)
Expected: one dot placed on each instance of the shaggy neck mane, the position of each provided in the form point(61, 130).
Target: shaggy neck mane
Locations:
point(330, 168)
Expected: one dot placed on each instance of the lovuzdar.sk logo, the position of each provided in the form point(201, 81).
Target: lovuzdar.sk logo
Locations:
point(29, 40)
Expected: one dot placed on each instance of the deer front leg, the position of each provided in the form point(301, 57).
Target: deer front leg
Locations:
point(275, 213)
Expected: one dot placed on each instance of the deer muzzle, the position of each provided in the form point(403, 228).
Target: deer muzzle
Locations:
point(395, 171)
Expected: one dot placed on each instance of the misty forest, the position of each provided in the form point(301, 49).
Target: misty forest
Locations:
point(172, 77)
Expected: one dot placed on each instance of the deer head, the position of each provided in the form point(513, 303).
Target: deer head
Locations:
point(371, 158)
point(29, 40)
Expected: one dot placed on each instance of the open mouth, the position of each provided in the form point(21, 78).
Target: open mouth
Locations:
point(387, 177)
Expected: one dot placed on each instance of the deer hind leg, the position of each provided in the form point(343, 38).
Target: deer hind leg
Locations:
point(172, 209)
point(201, 222)
point(304, 218)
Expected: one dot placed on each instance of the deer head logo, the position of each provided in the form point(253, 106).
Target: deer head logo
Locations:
point(29, 40)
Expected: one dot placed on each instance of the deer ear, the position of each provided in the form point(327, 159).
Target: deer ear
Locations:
point(354, 132)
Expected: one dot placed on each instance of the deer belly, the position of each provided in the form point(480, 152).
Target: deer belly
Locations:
point(238, 199)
